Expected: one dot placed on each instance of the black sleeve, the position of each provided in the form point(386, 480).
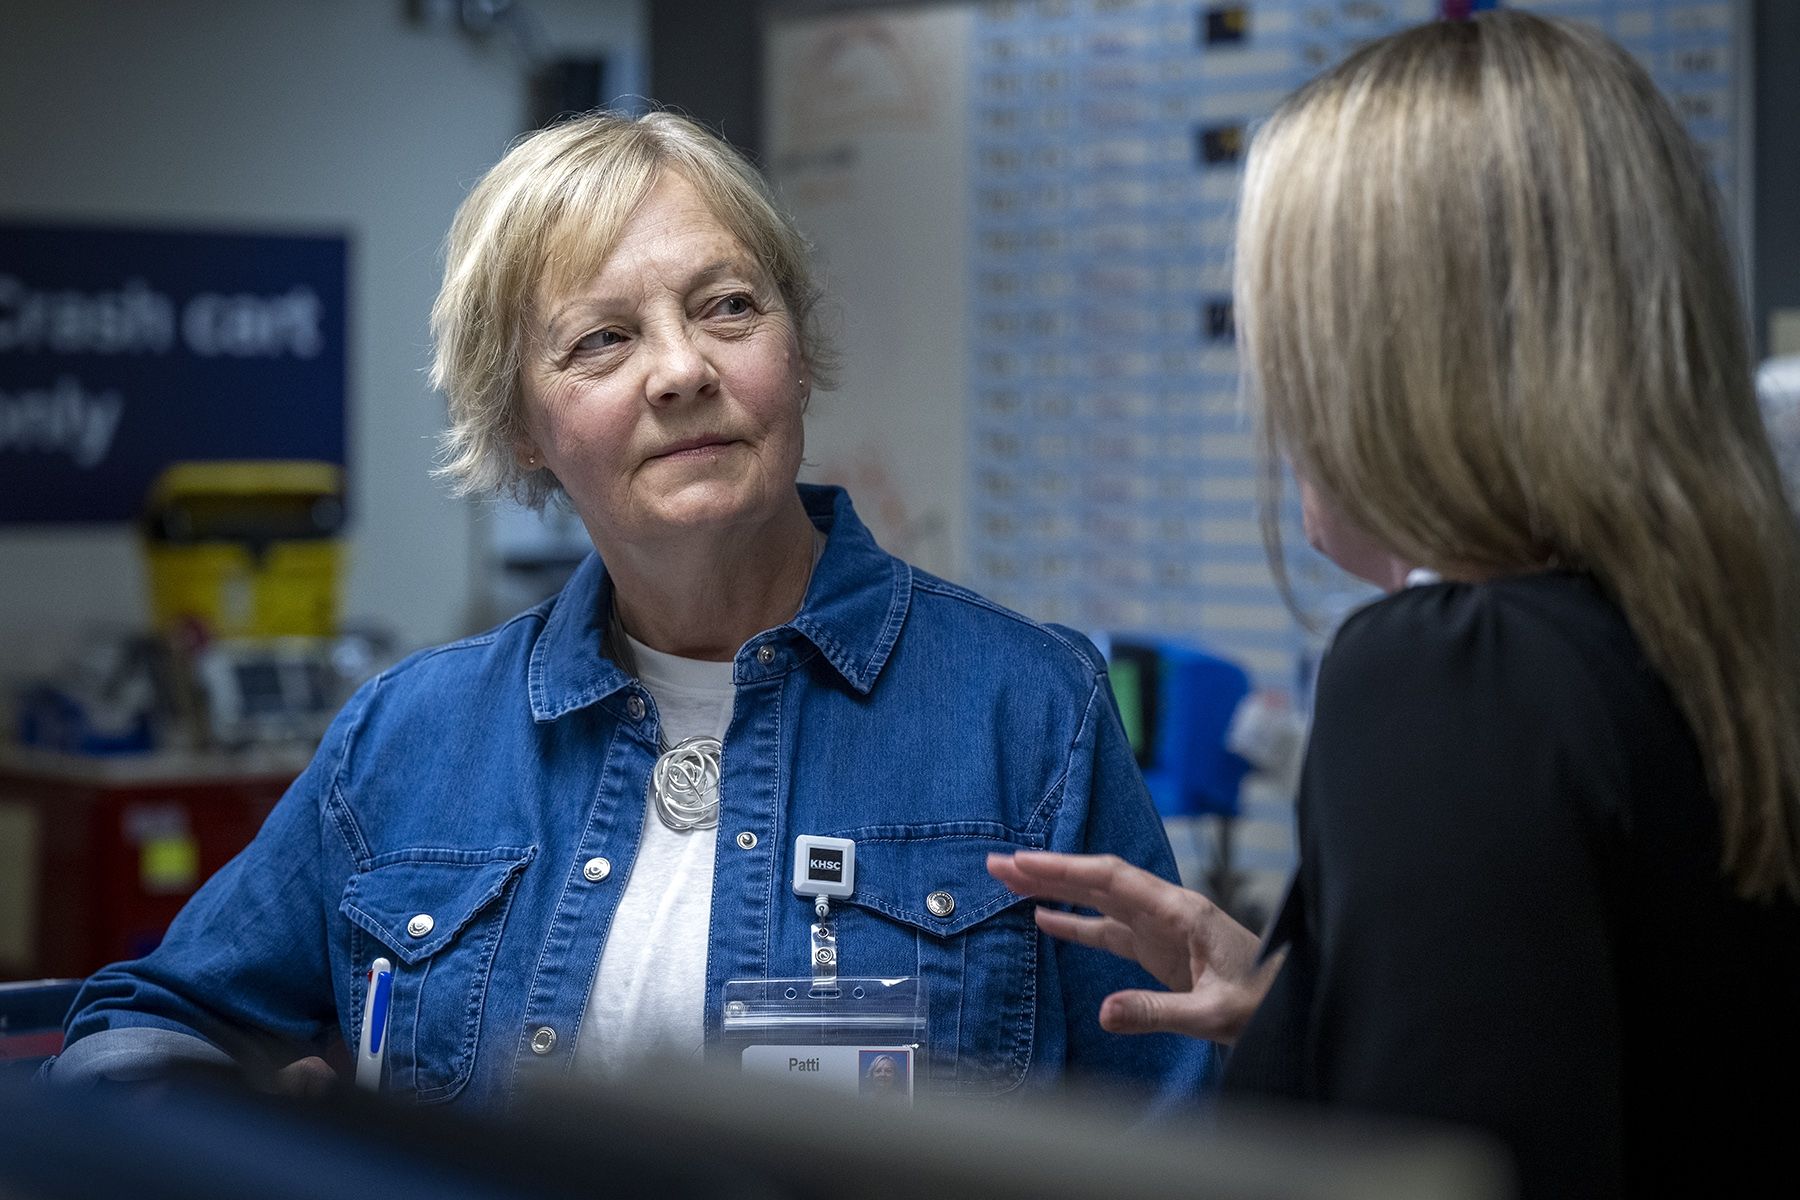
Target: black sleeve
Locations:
point(1454, 820)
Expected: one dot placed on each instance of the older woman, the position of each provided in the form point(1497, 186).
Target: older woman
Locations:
point(1550, 816)
point(569, 833)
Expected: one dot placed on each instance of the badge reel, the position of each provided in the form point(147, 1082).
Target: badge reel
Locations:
point(853, 1034)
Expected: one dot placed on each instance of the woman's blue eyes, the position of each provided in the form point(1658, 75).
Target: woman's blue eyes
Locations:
point(600, 339)
point(735, 305)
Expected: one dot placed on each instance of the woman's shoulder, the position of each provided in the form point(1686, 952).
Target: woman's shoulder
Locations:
point(1547, 658)
point(1541, 626)
point(503, 646)
point(993, 633)
point(444, 683)
point(435, 697)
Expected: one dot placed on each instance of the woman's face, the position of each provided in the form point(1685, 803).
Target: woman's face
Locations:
point(666, 392)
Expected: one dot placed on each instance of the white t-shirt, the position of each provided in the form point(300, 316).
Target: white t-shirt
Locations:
point(649, 993)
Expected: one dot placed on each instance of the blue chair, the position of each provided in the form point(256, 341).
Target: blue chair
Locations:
point(1178, 702)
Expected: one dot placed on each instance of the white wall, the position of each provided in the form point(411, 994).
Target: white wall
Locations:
point(313, 115)
point(866, 120)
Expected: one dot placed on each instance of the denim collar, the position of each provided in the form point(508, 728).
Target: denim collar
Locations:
point(852, 615)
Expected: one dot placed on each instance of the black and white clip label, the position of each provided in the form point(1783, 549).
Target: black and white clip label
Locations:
point(824, 866)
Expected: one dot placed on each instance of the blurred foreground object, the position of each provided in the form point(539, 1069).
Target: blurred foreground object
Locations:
point(686, 1132)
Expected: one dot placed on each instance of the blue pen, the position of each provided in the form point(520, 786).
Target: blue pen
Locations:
point(372, 1046)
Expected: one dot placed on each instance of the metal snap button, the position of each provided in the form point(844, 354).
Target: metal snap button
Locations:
point(544, 1040)
point(420, 925)
point(765, 655)
point(746, 840)
point(940, 904)
point(635, 706)
point(596, 869)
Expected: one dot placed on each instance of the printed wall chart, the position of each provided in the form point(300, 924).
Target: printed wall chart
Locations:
point(1111, 474)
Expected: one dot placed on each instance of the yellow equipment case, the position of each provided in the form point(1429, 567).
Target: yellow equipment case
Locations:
point(246, 549)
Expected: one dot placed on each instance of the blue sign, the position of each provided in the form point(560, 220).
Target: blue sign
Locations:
point(122, 351)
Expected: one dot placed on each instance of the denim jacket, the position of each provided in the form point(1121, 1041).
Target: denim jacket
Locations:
point(473, 813)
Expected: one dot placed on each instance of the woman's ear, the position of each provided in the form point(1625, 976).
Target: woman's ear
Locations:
point(526, 455)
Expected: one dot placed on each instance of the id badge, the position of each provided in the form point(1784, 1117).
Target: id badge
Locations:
point(862, 1037)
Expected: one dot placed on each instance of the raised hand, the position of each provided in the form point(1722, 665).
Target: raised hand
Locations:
point(1205, 959)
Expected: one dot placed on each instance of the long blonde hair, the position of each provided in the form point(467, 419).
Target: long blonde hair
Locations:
point(1485, 305)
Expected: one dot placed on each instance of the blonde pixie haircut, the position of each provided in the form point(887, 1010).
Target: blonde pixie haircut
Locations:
point(542, 222)
point(1486, 307)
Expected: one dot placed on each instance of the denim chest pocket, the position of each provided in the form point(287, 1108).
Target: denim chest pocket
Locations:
point(438, 914)
point(973, 942)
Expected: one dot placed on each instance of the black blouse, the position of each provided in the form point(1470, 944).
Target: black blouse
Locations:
point(1509, 911)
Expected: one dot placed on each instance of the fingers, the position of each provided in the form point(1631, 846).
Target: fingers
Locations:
point(1099, 881)
point(1103, 933)
point(1163, 1012)
point(306, 1077)
point(1005, 868)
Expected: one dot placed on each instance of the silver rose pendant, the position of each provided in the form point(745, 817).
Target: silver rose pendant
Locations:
point(684, 785)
